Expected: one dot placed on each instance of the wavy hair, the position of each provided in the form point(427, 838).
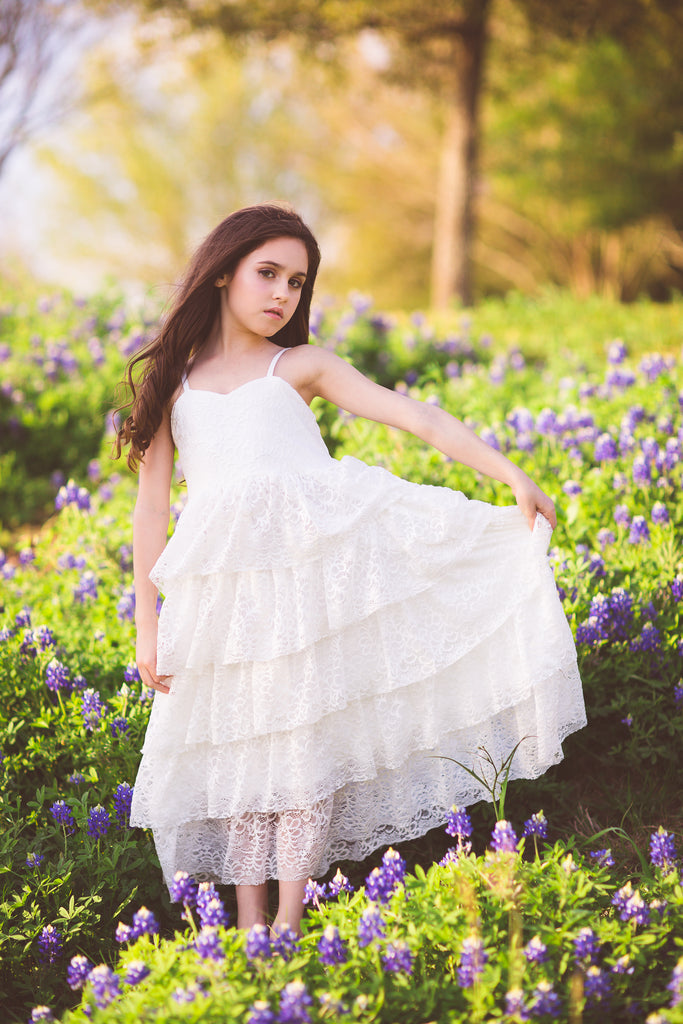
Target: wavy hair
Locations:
point(187, 326)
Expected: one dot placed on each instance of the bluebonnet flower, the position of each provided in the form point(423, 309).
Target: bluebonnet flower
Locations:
point(22, 619)
point(45, 637)
point(63, 815)
point(605, 449)
point(677, 588)
point(57, 676)
point(123, 797)
point(586, 945)
point(183, 888)
point(459, 823)
point(616, 352)
point(620, 378)
point(659, 513)
point(212, 912)
point(536, 825)
point(77, 972)
point(208, 944)
point(473, 958)
point(589, 633)
point(339, 883)
point(34, 860)
point(641, 471)
point(86, 588)
point(123, 933)
point(332, 1008)
point(536, 951)
point(331, 947)
point(623, 965)
point(136, 971)
point(379, 885)
point(28, 644)
point(261, 1013)
point(105, 985)
point(294, 1003)
point(41, 1015)
point(6, 634)
point(125, 608)
point(371, 926)
point(285, 941)
point(131, 673)
point(50, 945)
point(622, 516)
point(596, 985)
point(649, 639)
point(314, 892)
point(144, 923)
point(678, 694)
point(663, 850)
point(515, 1005)
point(640, 531)
point(92, 708)
point(675, 986)
point(397, 958)
point(394, 865)
point(258, 942)
point(119, 726)
point(79, 682)
point(621, 607)
point(631, 905)
point(545, 1001)
point(503, 838)
point(546, 421)
point(672, 453)
point(26, 556)
point(98, 822)
point(604, 858)
point(572, 488)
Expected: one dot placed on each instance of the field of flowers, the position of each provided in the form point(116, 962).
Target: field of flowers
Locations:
point(572, 913)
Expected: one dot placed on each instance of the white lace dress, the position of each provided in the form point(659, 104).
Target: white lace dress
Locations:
point(334, 633)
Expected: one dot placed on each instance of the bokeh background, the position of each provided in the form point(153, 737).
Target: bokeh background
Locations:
point(442, 152)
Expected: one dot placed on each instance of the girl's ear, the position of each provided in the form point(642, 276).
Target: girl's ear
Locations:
point(223, 281)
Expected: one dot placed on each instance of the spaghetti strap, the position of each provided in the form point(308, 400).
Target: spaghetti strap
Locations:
point(274, 361)
point(186, 386)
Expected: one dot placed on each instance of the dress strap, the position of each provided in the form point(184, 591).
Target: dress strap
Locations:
point(274, 360)
point(186, 386)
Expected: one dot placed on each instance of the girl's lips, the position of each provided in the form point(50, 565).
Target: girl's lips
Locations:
point(275, 313)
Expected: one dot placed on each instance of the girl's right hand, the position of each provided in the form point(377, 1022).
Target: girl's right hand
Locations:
point(146, 658)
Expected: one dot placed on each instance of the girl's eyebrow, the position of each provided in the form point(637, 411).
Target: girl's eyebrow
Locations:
point(279, 266)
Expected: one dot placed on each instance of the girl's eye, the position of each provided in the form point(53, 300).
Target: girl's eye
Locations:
point(296, 283)
point(265, 272)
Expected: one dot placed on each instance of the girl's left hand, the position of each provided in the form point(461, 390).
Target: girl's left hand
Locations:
point(531, 499)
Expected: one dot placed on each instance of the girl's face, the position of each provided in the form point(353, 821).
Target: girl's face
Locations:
point(264, 291)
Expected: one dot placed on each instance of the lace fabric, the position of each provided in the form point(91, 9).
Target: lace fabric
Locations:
point(333, 633)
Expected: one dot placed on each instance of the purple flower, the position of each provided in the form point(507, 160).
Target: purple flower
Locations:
point(596, 985)
point(536, 825)
point(515, 1005)
point(98, 822)
point(649, 639)
point(123, 933)
point(63, 815)
point(314, 892)
point(208, 944)
point(28, 644)
point(22, 620)
point(675, 986)
point(572, 488)
point(659, 513)
point(503, 838)
point(622, 516)
point(119, 726)
point(212, 913)
point(131, 674)
point(144, 923)
point(294, 1001)
point(285, 942)
point(57, 676)
point(258, 942)
point(125, 609)
point(604, 858)
point(45, 637)
point(536, 951)
point(663, 850)
point(586, 945)
point(640, 531)
point(473, 958)
point(621, 607)
point(642, 473)
point(677, 588)
point(105, 985)
point(459, 823)
point(34, 860)
point(331, 948)
point(616, 352)
point(397, 958)
point(92, 708)
point(136, 971)
point(123, 797)
point(371, 926)
point(50, 945)
point(183, 889)
point(394, 865)
point(545, 1001)
point(261, 1013)
point(678, 695)
point(339, 883)
point(605, 449)
point(379, 885)
point(77, 972)
point(41, 1014)
point(86, 588)
point(606, 537)
point(588, 633)
point(631, 905)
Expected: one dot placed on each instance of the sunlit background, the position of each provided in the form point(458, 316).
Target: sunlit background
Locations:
point(440, 154)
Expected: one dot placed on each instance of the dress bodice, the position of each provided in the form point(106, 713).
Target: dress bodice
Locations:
point(262, 428)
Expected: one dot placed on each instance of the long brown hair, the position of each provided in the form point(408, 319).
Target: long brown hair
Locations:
point(187, 326)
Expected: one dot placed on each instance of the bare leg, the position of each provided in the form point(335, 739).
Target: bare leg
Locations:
point(252, 904)
point(291, 906)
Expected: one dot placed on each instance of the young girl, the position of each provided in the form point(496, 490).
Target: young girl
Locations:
point(330, 634)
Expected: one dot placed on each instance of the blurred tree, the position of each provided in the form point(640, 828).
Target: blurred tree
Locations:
point(35, 37)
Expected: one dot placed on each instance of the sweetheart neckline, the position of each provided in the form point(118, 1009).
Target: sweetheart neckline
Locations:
point(240, 387)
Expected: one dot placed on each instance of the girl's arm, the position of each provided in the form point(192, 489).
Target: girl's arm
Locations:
point(150, 528)
point(337, 381)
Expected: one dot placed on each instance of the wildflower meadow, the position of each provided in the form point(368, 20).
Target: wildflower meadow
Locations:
point(559, 899)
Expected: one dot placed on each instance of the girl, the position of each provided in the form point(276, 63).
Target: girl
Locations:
point(330, 633)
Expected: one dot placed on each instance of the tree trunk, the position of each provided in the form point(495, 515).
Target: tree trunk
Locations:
point(454, 201)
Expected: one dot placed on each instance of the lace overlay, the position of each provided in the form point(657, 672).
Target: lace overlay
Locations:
point(334, 633)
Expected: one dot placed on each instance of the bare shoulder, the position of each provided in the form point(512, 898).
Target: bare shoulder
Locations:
point(305, 365)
